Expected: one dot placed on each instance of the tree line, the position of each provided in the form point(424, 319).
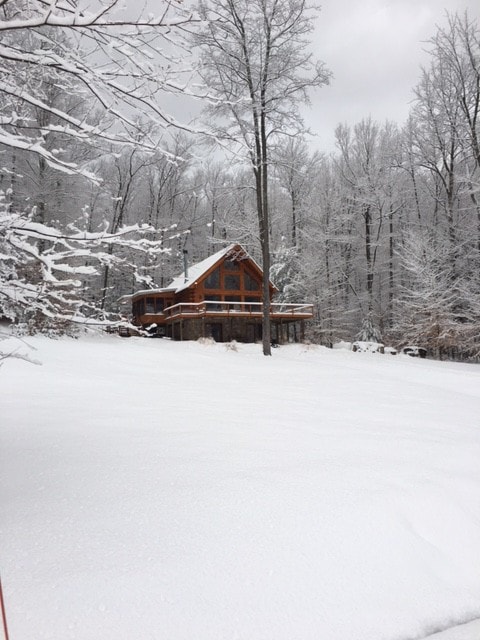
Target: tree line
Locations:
point(101, 189)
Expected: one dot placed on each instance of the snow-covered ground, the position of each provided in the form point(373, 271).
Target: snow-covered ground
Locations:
point(163, 491)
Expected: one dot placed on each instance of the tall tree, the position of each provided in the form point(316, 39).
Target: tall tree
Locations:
point(362, 170)
point(455, 51)
point(295, 167)
point(255, 60)
point(437, 138)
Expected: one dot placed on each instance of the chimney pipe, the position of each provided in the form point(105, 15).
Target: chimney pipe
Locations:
point(185, 265)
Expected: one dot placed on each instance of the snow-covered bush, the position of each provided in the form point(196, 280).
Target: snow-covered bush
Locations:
point(368, 332)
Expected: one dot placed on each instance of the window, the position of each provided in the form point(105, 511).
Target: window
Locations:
point(253, 308)
point(232, 283)
point(149, 305)
point(234, 307)
point(213, 280)
point(214, 307)
point(229, 265)
point(138, 307)
point(159, 305)
point(250, 283)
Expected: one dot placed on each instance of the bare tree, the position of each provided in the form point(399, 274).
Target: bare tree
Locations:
point(295, 168)
point(436, 133)
point(256, 62)
point(455, 52)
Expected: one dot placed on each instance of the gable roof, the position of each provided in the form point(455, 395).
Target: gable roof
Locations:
point(200, 269)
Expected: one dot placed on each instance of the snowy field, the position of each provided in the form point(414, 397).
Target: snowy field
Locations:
point(162, 491)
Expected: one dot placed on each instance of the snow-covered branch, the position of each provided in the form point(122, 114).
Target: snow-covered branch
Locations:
point(57, 14)
point(47, 280)
point(120, 66)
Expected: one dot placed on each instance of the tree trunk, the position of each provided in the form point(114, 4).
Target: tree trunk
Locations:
point(293, 196)
point(390, 268)
point(368, 254)
point(265, 241)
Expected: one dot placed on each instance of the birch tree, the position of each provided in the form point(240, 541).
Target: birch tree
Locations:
point(255, 60)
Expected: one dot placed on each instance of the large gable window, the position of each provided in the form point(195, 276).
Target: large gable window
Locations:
point(250, 283)
point(213, 280)
point(232, 283)
point(229, 265)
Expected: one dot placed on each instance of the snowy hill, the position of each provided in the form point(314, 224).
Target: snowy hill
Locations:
point(162, 491)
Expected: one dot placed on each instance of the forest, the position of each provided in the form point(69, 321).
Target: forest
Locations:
point(102, 187)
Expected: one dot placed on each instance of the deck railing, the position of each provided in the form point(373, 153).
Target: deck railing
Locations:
point(253, 309)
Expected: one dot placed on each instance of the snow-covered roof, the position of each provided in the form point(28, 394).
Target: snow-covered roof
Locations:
point(143, 292)
point(197, 270)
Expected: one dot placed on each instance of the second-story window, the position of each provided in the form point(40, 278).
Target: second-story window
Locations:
point(232, 283)
point(250, 283)
point(213, 280)
point(229, 265)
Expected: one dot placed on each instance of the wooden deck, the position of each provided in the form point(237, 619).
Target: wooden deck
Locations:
point(225, 321)
point(278, 310)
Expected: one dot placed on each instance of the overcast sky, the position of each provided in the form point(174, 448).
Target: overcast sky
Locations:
point(375, 49)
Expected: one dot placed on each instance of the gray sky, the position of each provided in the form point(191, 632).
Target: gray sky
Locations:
point(375, 49)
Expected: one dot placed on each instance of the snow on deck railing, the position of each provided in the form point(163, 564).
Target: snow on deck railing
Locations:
point(214, 307)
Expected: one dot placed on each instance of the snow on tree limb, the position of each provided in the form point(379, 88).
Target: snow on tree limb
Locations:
point(56, 14)
point(46, 280)
point(122, 65)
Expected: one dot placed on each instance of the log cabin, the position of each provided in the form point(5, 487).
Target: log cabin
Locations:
point(219, 297)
